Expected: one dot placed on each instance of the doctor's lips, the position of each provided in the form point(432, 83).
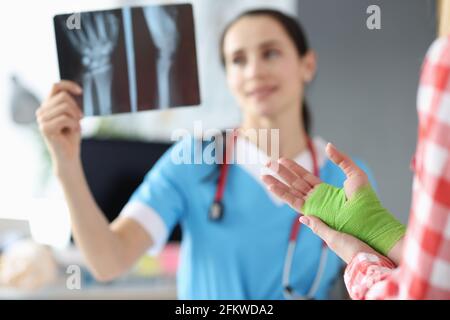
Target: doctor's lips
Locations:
point(261, 92)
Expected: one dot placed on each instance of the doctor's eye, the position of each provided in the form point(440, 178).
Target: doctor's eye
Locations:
point(238, 60)
point(271, 53)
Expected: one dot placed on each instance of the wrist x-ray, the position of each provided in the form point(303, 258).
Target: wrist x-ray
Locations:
point(130, 59)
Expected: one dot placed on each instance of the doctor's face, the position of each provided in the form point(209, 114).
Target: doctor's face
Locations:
point(264, 69)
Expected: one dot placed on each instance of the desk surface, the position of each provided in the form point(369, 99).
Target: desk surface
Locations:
point(149, 289)
point(158, 285)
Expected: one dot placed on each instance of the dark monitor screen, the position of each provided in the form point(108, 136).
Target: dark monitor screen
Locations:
point(115, 168)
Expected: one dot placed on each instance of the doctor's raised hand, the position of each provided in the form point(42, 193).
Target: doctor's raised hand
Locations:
point(109, 250)
point(59, 121)
point(350, 219)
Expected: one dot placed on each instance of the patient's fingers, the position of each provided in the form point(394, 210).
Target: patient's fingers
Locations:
point(293, 197)
point(293, 180)
point(311, 179)
point(295, 202)
point(271, 180)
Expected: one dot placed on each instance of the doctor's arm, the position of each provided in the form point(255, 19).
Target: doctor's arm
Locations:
point(109, 249)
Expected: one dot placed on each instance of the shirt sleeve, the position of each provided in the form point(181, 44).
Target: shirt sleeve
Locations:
point(424, 271)
point(159, 202)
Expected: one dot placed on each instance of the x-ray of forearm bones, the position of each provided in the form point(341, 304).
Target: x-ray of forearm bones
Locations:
point(162, 26)
point(95, 42)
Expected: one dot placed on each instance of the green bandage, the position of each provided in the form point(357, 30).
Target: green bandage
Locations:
point(363, 216)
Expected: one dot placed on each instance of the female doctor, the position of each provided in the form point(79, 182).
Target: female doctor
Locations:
point(253, 248)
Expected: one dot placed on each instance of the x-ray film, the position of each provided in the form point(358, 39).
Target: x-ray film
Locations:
point(130, 59)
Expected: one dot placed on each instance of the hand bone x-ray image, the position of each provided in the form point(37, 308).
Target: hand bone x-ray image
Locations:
point(95, 45)
point(130, 59)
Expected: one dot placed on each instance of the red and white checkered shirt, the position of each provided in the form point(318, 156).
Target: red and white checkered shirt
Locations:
point(424, 271)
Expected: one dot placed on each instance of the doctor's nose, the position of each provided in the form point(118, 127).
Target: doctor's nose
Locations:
point(255, 68)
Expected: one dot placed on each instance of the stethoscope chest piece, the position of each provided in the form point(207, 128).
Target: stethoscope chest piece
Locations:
point(216, 211)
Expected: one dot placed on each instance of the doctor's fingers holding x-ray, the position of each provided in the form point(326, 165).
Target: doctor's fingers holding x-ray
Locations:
point(58, 118)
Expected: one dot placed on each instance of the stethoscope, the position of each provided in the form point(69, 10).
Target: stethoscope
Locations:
point(217, 210)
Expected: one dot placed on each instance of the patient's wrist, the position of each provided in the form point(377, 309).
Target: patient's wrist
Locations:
point(363, 216)
point(395, 254)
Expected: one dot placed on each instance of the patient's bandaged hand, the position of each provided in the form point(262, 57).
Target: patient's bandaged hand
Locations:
point(362, 216)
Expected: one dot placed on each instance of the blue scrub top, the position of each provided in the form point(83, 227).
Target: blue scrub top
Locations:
point(242, 256)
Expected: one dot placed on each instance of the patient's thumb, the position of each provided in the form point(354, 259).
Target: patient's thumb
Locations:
point(342, 160)
point(319, 227)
